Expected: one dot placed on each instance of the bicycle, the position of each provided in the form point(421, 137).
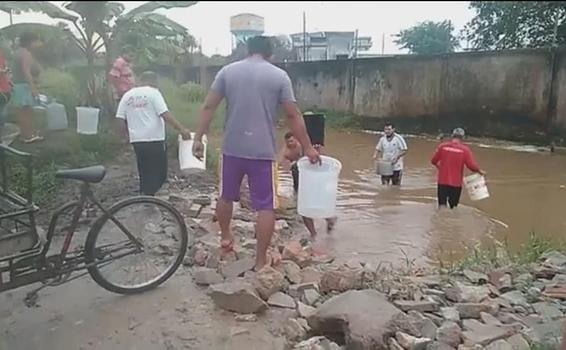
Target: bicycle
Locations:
point(30, 262)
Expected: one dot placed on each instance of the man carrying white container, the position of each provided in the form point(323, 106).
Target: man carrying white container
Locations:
point(392, 148)
point(254, 89)
point(450, 158)
point(143, 112)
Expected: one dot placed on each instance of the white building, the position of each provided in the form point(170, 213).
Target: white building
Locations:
point(329, 45)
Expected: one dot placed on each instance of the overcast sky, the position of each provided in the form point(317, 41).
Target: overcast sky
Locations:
point(209, 21)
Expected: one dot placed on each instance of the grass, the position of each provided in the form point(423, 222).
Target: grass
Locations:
point(485, 258)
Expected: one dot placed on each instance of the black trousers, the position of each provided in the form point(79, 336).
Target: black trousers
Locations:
point(395, 178)
point(152, 165)
point(449, 195)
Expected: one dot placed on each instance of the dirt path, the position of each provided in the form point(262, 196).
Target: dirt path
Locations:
point(177, 315)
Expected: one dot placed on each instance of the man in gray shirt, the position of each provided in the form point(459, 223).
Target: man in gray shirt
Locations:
point(254, 89)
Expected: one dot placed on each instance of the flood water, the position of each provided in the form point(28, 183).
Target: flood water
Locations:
point(394, 224)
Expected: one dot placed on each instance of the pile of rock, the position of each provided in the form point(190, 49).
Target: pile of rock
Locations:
point(361, 306)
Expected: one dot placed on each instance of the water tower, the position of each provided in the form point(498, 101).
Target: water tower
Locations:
point(245, 26)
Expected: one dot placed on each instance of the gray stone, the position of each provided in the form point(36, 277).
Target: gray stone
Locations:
point(518, 342)
point(304, 310)
point(438, 320)
point(509, 318)
point(304, 323)
point(250, 243)
point(549, 332)
point(449, 333)
point(439, 346)
point(294, 331)
point(559, 279)
point(364, 316)
point(499, 345)
point(425, 327)
point(412, 343)
point(450, 314)
point(501, 279)
point(317, 343)
point(489, 319)
point(341, 279)
point(310, 296)
point(516, 298)
point(480, 334)
point(310, 275)
point(213, 259)
point(281, 300)
point(475, 277)
point(291, 270)
point(297, 290)
point(246, 318)
point(394, 345)
point(206, 277)
point(462, 293)
point(420, 306)
point(472, 310)
point(237, 268)
point(237, 296)
point(268, 281)
point(428, 281)
point(548, 311)
point(434, 292)
point(554, 260)
point(524, 279)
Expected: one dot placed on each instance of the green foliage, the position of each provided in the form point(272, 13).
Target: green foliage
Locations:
point(516, 24)
point(486, 258)
point(62, 86)
point(428, 38)
point(43, 183)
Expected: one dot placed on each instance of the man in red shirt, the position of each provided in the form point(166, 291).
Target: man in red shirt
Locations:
point(121, 75)
point(450, 159)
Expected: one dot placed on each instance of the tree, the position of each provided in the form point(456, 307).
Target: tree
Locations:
point(428, 38)
point(102, 26)
point(58, 50)
point(516, 24)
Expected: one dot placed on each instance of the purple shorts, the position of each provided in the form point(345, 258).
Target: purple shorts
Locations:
point(262, 180)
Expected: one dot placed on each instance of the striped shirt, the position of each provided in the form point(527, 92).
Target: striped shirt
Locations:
point(392, 148)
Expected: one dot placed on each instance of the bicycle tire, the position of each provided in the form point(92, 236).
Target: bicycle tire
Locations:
point(90, 245)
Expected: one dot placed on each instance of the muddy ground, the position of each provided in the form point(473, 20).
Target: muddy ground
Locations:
point(177, 315)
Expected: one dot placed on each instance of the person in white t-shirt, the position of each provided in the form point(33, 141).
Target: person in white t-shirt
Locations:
point(392, 147)
point(144, 113)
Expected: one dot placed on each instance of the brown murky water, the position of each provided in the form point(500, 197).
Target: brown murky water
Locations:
point(383, 223)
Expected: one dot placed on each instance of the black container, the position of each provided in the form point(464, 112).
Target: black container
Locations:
point(315, 127)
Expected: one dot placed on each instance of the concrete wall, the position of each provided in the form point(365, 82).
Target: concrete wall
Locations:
point(506, 87)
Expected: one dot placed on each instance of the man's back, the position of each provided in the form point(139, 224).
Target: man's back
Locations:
point(254, 89)
point(450, 158)
point(142, 108)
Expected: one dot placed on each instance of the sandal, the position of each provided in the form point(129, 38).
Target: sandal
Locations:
point(227, 247)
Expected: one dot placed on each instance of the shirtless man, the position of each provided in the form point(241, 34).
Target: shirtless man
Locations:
point(291, 153)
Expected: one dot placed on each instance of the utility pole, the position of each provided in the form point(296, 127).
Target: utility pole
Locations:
point(383, 44)
point(356, 45)
point(11, 17)
point(304, 36)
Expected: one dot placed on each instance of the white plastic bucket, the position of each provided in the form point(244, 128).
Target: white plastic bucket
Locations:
point(476, 186)
point(384, 168)
point(56, 117)
point(87, 120)
point(318, 187)
point(186, 158)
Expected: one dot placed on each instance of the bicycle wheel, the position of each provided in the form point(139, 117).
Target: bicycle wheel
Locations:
point(124, 265)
